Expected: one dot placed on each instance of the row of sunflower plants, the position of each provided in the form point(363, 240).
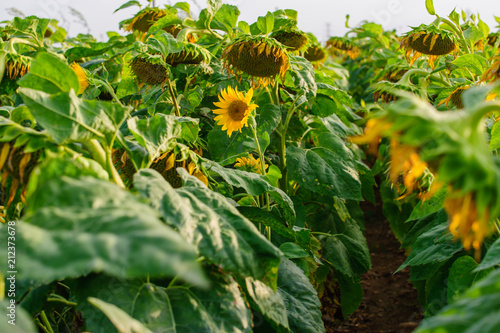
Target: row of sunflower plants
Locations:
point(189, 175)
point(431, 110)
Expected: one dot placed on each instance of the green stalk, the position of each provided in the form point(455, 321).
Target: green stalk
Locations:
point(109, 89)
point(459, 33)
point(46, 322)
point(174, 100)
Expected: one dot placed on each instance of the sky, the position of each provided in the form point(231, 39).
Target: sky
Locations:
point(324, 18)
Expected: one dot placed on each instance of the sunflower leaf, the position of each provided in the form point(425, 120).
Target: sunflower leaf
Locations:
point(128, 4)
point(429, 5)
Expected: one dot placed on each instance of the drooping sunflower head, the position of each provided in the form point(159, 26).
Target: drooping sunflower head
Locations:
point(261, 58)
point(143, 20)
point(174, 30)
point(191, 54)
point(455, 98)
point(16, 65)
point(315, 54)
point(430, 40)
point(149, 69)
point(82, 77)
point(293, 39)
point(492, 73)
point(233, 109)
point(250, 164)
point(342, 46)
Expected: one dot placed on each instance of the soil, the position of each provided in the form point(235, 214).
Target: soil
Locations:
point(390, 302)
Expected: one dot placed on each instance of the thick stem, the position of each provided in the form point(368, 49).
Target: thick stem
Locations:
point(174, 100)
point(46, 322)
point(458, 31)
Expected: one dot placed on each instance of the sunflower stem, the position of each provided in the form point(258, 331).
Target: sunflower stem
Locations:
point(458, 31)
point(174, 100)
point(109, 89)
point(46, 321)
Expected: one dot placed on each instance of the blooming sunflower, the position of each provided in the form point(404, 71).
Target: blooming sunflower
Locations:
point(250, 164)
point(260, 57)
point(82, 77)
point(430, 40)
point(234, 109)
point(340, 45)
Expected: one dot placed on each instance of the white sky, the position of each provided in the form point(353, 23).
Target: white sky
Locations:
point(322, 17)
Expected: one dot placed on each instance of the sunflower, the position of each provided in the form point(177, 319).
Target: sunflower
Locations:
point(260, 57)
point(429, 40)
point(250, 164)
point(174, 30)
point(492, 73)
point(16, 65)
point(149, 70)
point(82, 77)
point(191, 54)
point(466, 222)
point(293, 39)
point(234, 109)
point(340, 45)
point(455, 97)
point(143, 20)
point(315, 54)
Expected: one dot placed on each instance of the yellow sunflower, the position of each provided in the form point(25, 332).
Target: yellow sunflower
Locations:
point(429, 40)
point(82, 77)
point(234, 109)
point(250, 164)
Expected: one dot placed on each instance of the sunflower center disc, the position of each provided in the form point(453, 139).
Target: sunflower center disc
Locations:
point(237, 110)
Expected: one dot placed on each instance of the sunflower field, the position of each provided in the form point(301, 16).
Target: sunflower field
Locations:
point(209, 175)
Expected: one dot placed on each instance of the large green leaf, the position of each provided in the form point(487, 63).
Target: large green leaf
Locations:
point(255, 184)
point(268, 302)
point(95, 49)
point(14, 318)
point(476, 311)
point(209, 222)
point(300, 298)
point(88, 225)
point(346, 250)
point(351, 293)
point(432, 247)
point(492, 257)
point(221, 308)
point(325, 171)
point(49, 74)
point(69, 118)
point(159, 133)
point(226, 18)
point(462, 276)
point(120, 319)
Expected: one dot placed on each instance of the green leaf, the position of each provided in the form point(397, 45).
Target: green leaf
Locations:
point(325, 171)
point(301, 76)
point(351, 293)
point(184, 6)
point(483, 27)
point(475, 311)
point(492, 257)
point(495, 136)
point(454, 17)
point(244, 27)
point(268, 302)
point(429, 5)
point(21, 114)
point(95, 49)
point(122, 321)
point(255, 184)
point(432, 247)
point(474, 62)
point(347, 250)
point(473, 35)
point(128, 4)
point(209, 222)
point(428, 207)
point(227, 17)
point(50, 75)
point(462, 275)
point(14, 317)
point(68, 118)
point(300, 298)
point(159, 133)
point(269, 219)
point(77, 226)
point(293, 251)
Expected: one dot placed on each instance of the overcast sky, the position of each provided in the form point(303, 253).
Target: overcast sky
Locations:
point(322, 17)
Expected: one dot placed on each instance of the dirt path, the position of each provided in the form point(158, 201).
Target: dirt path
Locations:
point(390, 302)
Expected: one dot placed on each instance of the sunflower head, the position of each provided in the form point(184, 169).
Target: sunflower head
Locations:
point(82, 77)
point(143, 20)
point(261, 58)
point(455, 97)
point(492, 73)
point(16, 65)
point(293, 39)
point(250, 164)
point(493, 38)
point(343, 46)
point(149, 70)
point(430, 40)
point(315, 54)
point(191, 54)
point(174, 30)
point(233, 109)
